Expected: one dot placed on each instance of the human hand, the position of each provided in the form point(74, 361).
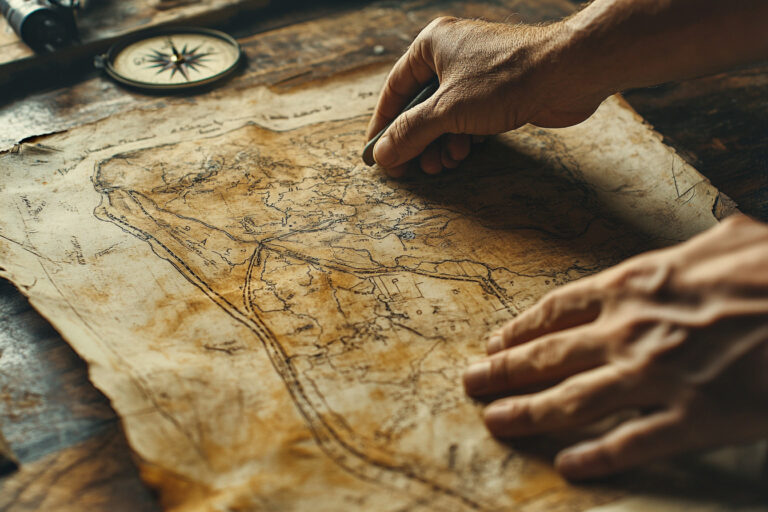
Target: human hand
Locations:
point(493, 77)
point(680, 334)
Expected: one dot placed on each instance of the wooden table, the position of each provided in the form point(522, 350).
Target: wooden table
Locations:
point(72, 450)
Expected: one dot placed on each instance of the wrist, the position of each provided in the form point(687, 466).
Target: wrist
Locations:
point(588, 58)
point(563, 81)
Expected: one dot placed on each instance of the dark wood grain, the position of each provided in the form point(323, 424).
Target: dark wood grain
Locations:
point(8, 462)
point(41, 379)
point(281, 55)
point(102, 23)
point(720, 125)
point(63, 431)
point(94, 475)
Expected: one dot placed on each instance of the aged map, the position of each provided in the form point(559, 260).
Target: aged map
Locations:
point(283, 328)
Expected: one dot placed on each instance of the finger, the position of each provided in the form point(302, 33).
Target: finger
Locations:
point(455, 148)
point(572, 305)
point(631, 444)
point(397, 172)
point(575, 402)
point(430, 160)
point(458, 146)
point(409, 75)
point(445, 157)
point(410, 134)
point(547, 359)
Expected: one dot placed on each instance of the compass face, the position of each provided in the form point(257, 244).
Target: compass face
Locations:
point(174, 60)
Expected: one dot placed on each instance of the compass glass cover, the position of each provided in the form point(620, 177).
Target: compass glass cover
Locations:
point(176, 59)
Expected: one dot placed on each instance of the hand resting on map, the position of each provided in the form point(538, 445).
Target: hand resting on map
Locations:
point(679, 335)
point(496, 77)
point(493, 78)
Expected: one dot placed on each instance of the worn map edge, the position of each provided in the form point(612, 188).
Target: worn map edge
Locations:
point(48, 301)
point(723, 205)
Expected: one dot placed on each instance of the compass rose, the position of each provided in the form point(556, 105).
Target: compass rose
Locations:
point(178, 61)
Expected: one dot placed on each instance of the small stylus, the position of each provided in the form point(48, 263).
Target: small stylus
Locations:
point(425, 93)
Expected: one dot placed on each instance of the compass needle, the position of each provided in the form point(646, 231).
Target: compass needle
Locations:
point(175, 58)
point(173, 48)
point(183, 72)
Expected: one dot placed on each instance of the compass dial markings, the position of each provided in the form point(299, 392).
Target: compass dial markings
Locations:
point(176, 59)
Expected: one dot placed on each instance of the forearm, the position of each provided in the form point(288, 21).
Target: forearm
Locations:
point(496, 77)
point(619, 44)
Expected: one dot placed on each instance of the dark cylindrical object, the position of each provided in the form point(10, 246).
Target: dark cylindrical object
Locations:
point(43, 26)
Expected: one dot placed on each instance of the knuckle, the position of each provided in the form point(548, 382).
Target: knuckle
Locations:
point(577, 399)
point(608, 456)
point(507, 333)
point(519, 413)
point(682, 409)
point(442, 21)
point(575, 409)
point(550, 306)
point(625, 329)
point(546, 354)
point(401, 128)
point(555, 297)
point(640, 363)
point(419, 50)
point(628, 376)
point(503, 368)
point(431, 31)
point(630, 442)
point(442, 110)
point(645, 276)
point(646, 342)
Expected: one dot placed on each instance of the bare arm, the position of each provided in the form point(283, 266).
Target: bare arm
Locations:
point(496, 77)
point(635, 43)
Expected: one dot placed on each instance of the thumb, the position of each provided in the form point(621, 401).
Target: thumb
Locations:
point(409, 135)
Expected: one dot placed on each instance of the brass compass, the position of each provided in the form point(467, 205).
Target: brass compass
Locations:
point(172, 59)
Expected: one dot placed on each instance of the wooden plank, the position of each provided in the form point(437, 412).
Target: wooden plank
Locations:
point(8, 462)
point(71, 448)
point(44, 405)
point(104, 22)
point(92, 476)
point(285, 58)
point(718, 123)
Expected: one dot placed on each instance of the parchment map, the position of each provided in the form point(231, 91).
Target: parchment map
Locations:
point(363, 293)
point(283, 328)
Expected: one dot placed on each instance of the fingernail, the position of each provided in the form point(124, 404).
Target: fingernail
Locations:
point(384, 152)
point(448, 162)
point(476, 377)
point(453, 155)
point(495, 343)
